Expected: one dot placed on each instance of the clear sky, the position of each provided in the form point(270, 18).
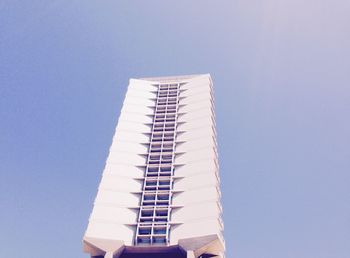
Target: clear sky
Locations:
point(281, 71)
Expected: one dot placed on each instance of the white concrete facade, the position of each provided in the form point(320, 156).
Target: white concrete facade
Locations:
point(160, 188)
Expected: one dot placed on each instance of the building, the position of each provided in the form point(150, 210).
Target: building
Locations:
point(159, 195)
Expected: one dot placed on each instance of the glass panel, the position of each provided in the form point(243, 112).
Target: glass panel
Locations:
point(149, 197)
point(144, 231)
point(159, 231)
point(164, 182)
point(165, 169)
point(146, 213)
point(163, 197)
point(162, 213)
point(154, 169)
point(144, 240)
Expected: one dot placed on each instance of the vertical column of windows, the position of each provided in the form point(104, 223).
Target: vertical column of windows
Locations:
point(155, 208)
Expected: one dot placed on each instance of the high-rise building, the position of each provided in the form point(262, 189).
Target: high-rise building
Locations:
point(159, 195)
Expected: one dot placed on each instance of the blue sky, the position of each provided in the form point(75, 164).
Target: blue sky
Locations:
point(282, 87)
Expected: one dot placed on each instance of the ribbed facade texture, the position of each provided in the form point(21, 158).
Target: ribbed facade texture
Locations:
point(159, 195)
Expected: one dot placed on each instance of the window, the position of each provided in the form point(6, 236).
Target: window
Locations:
point(152, 169)
point(151, 183)
point(153, 221)
point(167, 182)
point(154, 157)
point(145, 231)
point(163, 197)
point(144, 240)
point(160, 219)
point(159, 231)
point(149, 197)
point(165, 169)
point(163, 174)
point(162, 203)
point(161, 213)
point(166, 187)
point(151, 188)
point(146, 219)
point(147, 203)
point(147, 213)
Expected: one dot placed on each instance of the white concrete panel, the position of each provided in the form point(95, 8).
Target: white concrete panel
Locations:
point(197, 181)
point(196, 143)
point(196, 228)
point(135, 117)
point(194, 91)
point(120, 199)
point(113, 215)
point(194, 156)
point(199, 96)
point(124, 170)
point(203, 194)
point(202, 166)
point(194, 101)
point(130, 147)
point(125, 158)
point(203, 112)
point(198, 123)
point(196, 106)
point(139, 101)
point(127, 136)
point(196, 212)
point(110, 231)
point(136, 108)
point(117, 183)
point(203, 132)
point(197, 82)
point(133, 127)
point(142, 84)
point(139, 92)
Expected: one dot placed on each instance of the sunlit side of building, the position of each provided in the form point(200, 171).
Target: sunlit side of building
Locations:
point(159, 195)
